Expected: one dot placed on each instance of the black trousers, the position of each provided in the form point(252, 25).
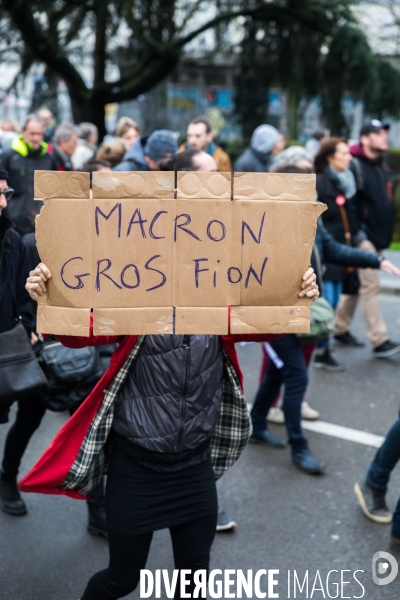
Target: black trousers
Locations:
point(29, 416)
point(30, 413)
point(191, 544)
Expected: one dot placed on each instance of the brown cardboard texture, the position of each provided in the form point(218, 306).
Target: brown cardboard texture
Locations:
point(132, 253)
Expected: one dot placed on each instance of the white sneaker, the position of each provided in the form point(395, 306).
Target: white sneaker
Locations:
point(308, 413)
point(275, 415)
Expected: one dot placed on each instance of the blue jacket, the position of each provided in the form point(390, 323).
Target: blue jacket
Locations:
point(331, 251)
point(134, 157)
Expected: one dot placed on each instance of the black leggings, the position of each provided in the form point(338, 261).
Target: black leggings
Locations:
point(29, 416)
point(191, 544)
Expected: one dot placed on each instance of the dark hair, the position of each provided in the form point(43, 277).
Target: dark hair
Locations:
point(328, 148)
point(294, 169)
point(202, 120)
point(180, 162)
point(93, 165)
point(319, 134)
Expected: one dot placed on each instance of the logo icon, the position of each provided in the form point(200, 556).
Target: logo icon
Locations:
point(384, 563)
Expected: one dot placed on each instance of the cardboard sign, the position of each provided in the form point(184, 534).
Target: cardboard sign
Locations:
point(164, 252)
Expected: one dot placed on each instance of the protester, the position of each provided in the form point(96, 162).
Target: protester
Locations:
point(265, 142)
point(294, 155)
point(65, 142)
point(374, 218)
point(158, 476)
point(87, 145)
point(313, 145)
point(371, 492)
point(96, 165)
point(14, 266)
point(291, 369)
point(200, 137)
point(8, 126)
point(128, 130)
point(28, 153)
point(336, 187)
point(147, 152)
point(46, 116)
point(112, 151)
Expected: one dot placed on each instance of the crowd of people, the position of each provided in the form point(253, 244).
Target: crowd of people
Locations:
point(176, 464)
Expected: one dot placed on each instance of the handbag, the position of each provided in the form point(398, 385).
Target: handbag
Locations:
point(20, 373)
point(322, 322)
point(322, 315)
point(69, 371)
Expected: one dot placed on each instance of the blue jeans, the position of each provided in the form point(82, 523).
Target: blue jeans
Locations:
point(385, 460)
point(332, 292)
point(294, 375)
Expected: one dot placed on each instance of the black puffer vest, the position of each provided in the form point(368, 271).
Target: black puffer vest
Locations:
point(171, 399)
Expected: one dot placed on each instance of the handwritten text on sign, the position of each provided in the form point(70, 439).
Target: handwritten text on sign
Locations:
point(133, 245)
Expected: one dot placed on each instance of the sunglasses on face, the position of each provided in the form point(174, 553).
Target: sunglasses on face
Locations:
point(7, 193)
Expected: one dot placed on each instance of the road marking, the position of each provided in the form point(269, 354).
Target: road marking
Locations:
point(339, 431)
point(344, 433)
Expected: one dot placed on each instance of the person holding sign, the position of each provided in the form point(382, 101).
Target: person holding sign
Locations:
point(179, 421)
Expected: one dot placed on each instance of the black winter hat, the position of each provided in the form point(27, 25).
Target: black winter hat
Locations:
point(3, 173)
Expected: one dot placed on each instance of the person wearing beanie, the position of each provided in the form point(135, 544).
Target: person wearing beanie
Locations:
point(148, 152)
point(265, 141)
point(13, 273)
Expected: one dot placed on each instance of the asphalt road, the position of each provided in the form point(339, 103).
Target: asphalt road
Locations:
point(286, 520)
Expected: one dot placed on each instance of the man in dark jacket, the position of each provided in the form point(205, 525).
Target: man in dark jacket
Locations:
point(65, 142)
point(28, 153)
point(265, 141)
point(14, 268)
point(374, 218)
point(148, 152)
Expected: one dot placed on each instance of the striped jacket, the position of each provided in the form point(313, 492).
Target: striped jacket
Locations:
point(75, 461)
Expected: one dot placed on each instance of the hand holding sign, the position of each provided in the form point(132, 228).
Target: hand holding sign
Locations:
point(169, 253)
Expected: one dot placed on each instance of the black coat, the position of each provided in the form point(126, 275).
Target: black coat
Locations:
point(22, 208)
point(253, 162)
point(328, 190)
point(374, 202)
point(331, 251)
point(14, 269)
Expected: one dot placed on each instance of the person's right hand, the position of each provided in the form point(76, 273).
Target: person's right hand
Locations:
point(389, 267)
point(35, 284)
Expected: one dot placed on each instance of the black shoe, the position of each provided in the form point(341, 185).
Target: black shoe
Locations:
point(10, 498)
point(373, 503)
point(325, 360)
point(97, 524)
point(348, 339)
point(386, 349)
point(266, 437)
point(304, 460)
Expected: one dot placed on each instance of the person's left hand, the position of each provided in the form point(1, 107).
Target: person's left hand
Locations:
point(309, 286)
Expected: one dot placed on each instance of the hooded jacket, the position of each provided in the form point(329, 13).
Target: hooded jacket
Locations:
point(134, 157)
point(21, 162)
point(253, 162)
point(374, 207)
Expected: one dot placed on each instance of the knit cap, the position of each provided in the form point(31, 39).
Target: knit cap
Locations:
point(160, 143)
point(264, 138)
